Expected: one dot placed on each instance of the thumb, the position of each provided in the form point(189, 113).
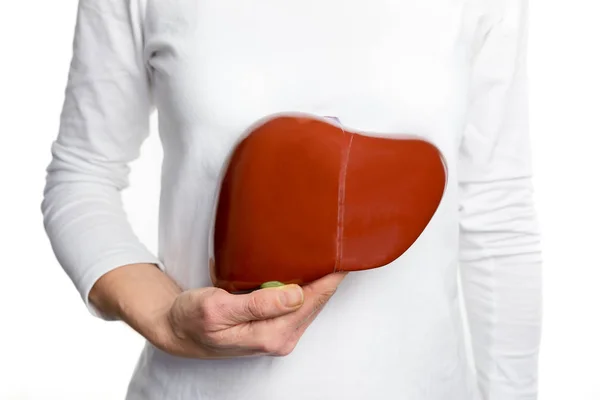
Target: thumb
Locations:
point(265, 304)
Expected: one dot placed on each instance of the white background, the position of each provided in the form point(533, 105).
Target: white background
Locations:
point(50, 348)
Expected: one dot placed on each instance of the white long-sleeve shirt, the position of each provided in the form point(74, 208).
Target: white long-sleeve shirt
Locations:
point(451, 71)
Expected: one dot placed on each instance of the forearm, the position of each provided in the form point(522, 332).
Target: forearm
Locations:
point(502, 281)
point(503, 297)
point(141, 296)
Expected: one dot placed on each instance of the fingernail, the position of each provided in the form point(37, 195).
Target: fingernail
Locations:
point(291, 296)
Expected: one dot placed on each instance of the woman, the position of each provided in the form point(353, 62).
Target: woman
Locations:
point(453, 72)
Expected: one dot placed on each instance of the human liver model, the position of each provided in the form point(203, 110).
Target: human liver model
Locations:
point(302, 197)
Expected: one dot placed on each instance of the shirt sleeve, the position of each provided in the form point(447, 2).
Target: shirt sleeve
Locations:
point(500, 253)
point(104, 121)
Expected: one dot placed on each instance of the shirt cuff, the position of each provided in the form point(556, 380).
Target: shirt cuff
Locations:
point(87, 280)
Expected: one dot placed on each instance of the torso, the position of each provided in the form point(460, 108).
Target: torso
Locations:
point(393, 67)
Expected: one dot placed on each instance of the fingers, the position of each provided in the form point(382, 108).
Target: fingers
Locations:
point(270, 337)
point(268, 303)
point(316, 295)
point(327, 284)
point(279, 336)
point(267, 321)
point(259, 305)
point(222, 324)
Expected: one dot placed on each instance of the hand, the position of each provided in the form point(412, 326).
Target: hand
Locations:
point(211, 323)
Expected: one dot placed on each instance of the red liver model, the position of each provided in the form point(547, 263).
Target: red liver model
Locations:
point(302, 197)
